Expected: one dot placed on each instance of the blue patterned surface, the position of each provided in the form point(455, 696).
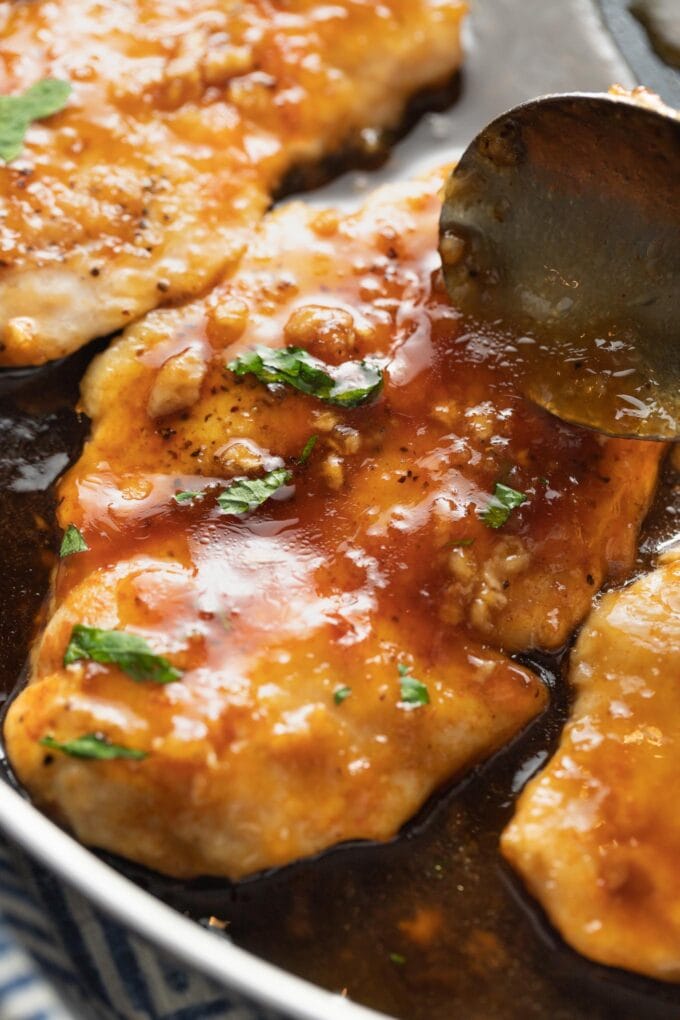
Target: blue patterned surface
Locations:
point(62, 959)
point(24, 994)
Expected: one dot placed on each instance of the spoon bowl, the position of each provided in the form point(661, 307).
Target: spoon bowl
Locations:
point(560, 241)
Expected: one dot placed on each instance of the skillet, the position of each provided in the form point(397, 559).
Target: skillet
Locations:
point(516, 49)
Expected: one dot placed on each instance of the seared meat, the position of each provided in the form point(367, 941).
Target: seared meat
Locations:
point(184, 116)
point(596, 836)
point(342, 645)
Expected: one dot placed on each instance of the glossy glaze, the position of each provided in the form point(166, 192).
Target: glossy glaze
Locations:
point(184, 117)
point(353, 569)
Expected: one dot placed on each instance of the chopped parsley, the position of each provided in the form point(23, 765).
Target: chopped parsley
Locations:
point(356, 382)
point(17, 113)
point(397, 959)
point(187, 496)
point(93, 745)
point(413, 692)
point(341, 694)
point(461, 543)
point(246, 494)
point(500, 506)
point(307, 449)
point(349, 385)
point(72, 542)
point(129, 651)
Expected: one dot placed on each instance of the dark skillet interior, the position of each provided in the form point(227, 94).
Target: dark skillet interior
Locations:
point(335, 920)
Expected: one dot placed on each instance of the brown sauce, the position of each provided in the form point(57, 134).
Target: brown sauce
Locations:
point(599, 379)
point(347, 919)
point(40, 434)
point(426, 926)
point(430, 926)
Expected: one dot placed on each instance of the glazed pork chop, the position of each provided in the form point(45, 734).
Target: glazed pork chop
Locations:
point(313, 518)
point(596, 836)
point(184, 116)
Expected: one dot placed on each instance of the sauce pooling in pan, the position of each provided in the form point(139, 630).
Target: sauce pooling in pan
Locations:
point(433, 896)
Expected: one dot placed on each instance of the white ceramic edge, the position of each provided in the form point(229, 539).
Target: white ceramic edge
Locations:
point(230, 966)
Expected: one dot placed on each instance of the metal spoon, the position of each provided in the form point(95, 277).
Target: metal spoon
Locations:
point(560, 242)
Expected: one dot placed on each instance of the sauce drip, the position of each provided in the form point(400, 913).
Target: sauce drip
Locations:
point(598, 379)
point(559, 232)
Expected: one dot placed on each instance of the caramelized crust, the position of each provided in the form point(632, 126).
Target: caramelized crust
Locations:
point(251, 763)
point(596, 836)
point(375, 556)
point(184, 116)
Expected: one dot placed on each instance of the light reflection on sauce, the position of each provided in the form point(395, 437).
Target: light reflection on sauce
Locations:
point(339, 919)
point(404, 482)
point(599, 380)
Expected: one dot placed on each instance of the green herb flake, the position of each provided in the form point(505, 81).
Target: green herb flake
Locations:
point(341, 694)
point(17, 113)
point(187, 496)
point(349, 385)
point(128, 651)
point(501, 505)
point(246, 494)
point(72, 542)
point(307, 449)
point(356, 382)
point(413, 692)
point(93, 745)
point(397, 959)
point(461, 543)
